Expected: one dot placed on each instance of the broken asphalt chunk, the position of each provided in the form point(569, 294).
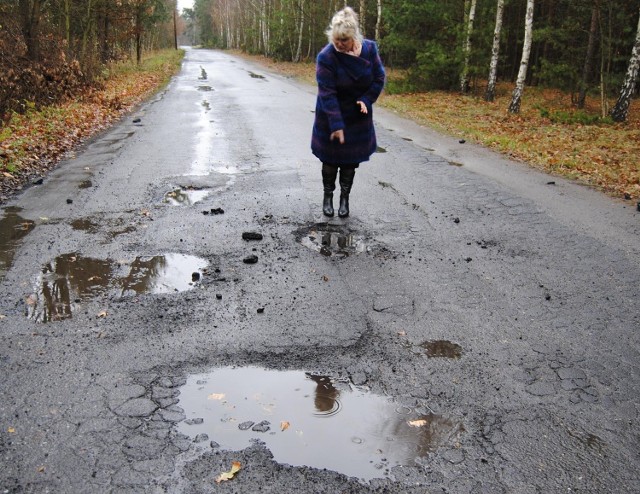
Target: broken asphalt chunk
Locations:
point(251, 236)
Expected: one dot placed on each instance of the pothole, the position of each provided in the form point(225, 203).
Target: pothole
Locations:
point(331, 240)
point(185, 196)
point(71, 279)
point(442, 349)
point(13, 228)
point(256, 76)
point(311, 420)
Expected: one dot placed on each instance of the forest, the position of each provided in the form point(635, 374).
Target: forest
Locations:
point(579, 46)
point(52, 49)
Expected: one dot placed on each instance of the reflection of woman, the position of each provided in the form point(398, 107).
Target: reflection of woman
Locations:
point(326, 393)
point(350, 78)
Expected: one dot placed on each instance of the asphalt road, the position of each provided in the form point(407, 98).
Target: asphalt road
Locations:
point(472, 327)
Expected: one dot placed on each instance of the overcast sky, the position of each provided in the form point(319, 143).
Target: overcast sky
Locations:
point(184, 3)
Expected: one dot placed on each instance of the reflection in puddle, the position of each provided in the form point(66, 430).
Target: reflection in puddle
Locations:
point(205, 88)
point(185, 197)
point(162, 274)
point(13, 228)
point(329, 424)
point(442, 348)
point(71, 278)
point(63, 281)
point(331, 241)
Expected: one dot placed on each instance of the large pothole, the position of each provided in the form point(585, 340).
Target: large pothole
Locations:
point(311, 420)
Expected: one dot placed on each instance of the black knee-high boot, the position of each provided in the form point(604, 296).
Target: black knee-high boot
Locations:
point(346, 182)
point(329, 175)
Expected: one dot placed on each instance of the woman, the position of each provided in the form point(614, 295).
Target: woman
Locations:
point(350, 78)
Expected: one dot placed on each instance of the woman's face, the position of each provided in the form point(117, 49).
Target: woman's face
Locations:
point(343, 43)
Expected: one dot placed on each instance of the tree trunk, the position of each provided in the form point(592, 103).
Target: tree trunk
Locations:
point(30, 17)
point(620, 111)
point(588, 63)
point(464, 77)
point(516, 97)
point(301, 29)
point(138, 34)
point(490, 94)
point(363, 16)
point(378, 20)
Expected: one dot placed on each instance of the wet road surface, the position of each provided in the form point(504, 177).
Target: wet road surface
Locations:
point(471, 327)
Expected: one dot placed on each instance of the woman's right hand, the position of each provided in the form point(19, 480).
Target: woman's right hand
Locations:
point(338, 134)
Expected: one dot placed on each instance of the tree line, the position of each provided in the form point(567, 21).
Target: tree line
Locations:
point(53, 49)
point(585, 47)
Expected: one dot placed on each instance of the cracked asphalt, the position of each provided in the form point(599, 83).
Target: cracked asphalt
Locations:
point(126, 273)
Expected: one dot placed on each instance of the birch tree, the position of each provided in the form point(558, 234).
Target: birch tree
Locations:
point(621, 109)
point(490, 93)
point(378, 20)
point(470, 18)
point(516, 97)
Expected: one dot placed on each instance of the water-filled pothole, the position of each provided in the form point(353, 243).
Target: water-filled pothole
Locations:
point(185, 196)
point(256, 76)
point(331, 240)
point(442, 348)
point(70, 279)
point(312, 420)
point(13, 228)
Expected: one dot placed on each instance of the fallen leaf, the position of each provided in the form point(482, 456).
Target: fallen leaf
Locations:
point(145, 212)
point(8, 175)
point(284, 425)
point(402, 333)
point(11, 430)
point(216, 396)
point(31, 300)
point(235, 468)
point(2, 316)
point(103, 314)
point(325, 278)
point(41, 469)
point(417, 423)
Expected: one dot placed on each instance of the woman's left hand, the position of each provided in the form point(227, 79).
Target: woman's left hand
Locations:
point(363, 107)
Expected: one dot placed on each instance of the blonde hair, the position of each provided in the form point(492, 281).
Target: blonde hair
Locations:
point(344, 24)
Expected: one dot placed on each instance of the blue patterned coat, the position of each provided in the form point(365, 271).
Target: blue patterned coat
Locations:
point(342, 80)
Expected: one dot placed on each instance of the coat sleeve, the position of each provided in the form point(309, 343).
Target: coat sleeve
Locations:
point(371, 95)
point(327, 92)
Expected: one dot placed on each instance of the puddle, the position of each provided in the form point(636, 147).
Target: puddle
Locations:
point(185, 197)
point(380, 150)
point(203, 74)
point(13, 228)
point(206, 105)
point(85, 225)
point(331, 240)
point(256, 76)
point(85, 184)
point(205, 88)
point(442, 348)
point(311, 420)
point(455, 163)
point(71, 278)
